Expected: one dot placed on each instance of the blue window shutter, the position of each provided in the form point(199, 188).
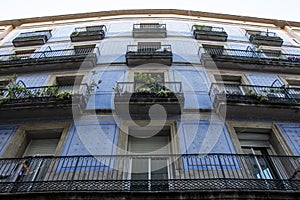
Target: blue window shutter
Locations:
point(291, 133)
point(235, 33)
point(9, 38)
point(113, 50)
point(200, 137)
point(204, 138)
point(6, 134)
point(89, 138)
point(104, 96)
point(34, 80)
point(282, 34)
point(294, 51)
point(61, 33)
point(264, 80)
point(176, 28)
point(120, 28)
point(195, 87)
point(184, 51)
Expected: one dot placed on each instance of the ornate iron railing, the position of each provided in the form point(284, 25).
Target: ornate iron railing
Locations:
point(208, 28)
point(89, 30)
point(156, 49)
point(250, 54)
point(171, 173)
point(48, 54)
point(19, 94)
point(149, 27)
point(142, 87)
point(251, 93)
point(262, 33)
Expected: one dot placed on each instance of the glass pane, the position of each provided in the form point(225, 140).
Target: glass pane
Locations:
point(159, 169)
point(139, 169)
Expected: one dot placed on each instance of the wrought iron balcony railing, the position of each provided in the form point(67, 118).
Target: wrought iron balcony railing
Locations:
point(255, 93)
point(209, 172)
point(207, 28)
point(149, 27)
point(48, 59)
point(143, 54)
point(88, 33)
point(262, 33)
point(32, 38)
point(250, 55)
point(149, 49)
point(18, 94)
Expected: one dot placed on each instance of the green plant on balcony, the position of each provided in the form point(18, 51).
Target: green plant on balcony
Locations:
point(14, 57)
point(143, 91)
point(50, 90)
point(145, 78)
point(63, 95)
point(250, 93)
point(165, 93)
point(75, 33)
point(202, 27)
point(4, 100)
point(262, 97)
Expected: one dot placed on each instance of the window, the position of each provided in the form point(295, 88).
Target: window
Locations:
point(148, 81)
point(142, 141)
point(258, 144)
point(66, 83)
point(42, 142)
point(232, 84)
point(22, 54)
point(68, 80)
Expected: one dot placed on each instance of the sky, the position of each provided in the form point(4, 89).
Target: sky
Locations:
point(274, 9)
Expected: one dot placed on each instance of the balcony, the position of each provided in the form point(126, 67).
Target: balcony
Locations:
point(32, 38)
point(134, 99)
point(88, 33)
point(250, 59)
point(85, 57)
point(251, 101)
point(268, 175)
point(209, 33)
point(146, 54)
point(21, 102)
point(149, 30)
point(264, 38)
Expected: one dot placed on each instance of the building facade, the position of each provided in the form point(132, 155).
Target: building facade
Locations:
point(161, 104)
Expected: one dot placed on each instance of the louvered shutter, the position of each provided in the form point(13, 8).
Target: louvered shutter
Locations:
point(41, 147)
point(148, 145)
point(103, 99)
point(195, 87)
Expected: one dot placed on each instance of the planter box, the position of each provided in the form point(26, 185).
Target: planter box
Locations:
point(138, 105)
point(88, 33)
point(32, 38)
point(266, 40)
point(135, 57)
point(210, 35)
point(202, 32)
